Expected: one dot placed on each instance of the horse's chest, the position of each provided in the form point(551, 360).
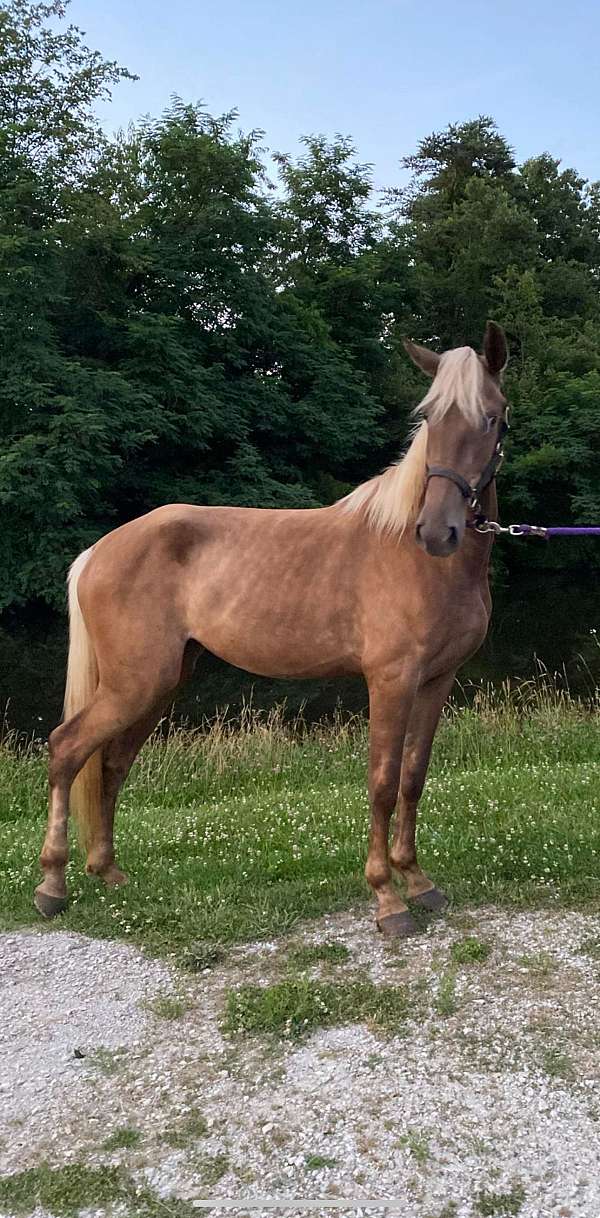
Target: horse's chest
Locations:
point(457, 637)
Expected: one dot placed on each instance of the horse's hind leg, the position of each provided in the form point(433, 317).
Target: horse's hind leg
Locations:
point(422, 726)
point(70, 746)
point(109, 714)
point(118, 756)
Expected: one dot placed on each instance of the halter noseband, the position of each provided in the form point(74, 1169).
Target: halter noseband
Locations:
point(471, 491)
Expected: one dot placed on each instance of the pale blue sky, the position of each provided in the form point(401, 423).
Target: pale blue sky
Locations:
point(385, 72)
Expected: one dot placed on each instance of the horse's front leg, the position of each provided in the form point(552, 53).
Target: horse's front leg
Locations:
point(422, 725)
point(391, 696)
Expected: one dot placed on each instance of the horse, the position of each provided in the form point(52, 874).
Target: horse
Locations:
point(390, 582)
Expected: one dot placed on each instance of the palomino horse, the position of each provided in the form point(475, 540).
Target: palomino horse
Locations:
point(388, 582)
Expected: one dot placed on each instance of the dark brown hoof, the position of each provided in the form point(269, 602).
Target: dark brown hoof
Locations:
point(398, 925)
point(433, 900)
point(48, 905)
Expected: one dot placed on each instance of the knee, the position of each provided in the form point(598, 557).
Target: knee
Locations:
point(377, 872)
point(384, 791)
point(54, 855)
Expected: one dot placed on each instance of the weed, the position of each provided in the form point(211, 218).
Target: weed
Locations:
point(470, 951)
point(305, 955)
point(106, 1061)
point(500, 1205)
point(202, 956)
point(445, 999)
point(63, 1190)
point(212, 1168)
point(192, 1127)
point(318, 1162)
point(168, 1006)
point(591, 947)
point(295, 1008)
point(541, 964)
point(418, 1145)
point(558, 1064)
point(122, 1139)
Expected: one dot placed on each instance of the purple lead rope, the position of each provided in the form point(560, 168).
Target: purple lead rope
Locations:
point(558, 531)
point(482, 525)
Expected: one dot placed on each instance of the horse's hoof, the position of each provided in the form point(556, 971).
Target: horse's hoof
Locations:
point(114, 878)
point(398, 925)
point(48, 905)
point(434, 900)
point(112, 875)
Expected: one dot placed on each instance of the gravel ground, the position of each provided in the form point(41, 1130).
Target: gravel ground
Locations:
point(487, 1105)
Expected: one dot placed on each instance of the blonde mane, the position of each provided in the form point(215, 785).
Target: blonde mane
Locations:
point(391, 501)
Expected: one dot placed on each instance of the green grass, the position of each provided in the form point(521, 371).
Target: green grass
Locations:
point(106, 1061)
point(231, 835)
point(66, 1191)
point(470, 951)
point(541, 964)
point(123, 1138)
point(591, 947)
point(305, 955)
point(168, 1006)
point(500, 1205)
point(318, 1162)
point(558, 1064)
point(445, 998)
point(417, 1144)
point(295, 1008)
point(192, 1127)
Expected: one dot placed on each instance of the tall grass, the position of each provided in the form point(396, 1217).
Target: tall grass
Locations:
point(235, 832)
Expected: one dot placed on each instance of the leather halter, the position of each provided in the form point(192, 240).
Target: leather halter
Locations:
point(472, 491)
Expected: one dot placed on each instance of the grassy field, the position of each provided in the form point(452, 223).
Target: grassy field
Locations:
point(230, 835)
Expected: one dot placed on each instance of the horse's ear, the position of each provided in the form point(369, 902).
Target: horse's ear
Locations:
point(426, 360)
point(495, 348)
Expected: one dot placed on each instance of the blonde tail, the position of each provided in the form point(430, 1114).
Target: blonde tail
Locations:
point(82, 680)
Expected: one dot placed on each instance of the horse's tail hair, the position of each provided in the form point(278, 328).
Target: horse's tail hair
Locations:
point(82, 681)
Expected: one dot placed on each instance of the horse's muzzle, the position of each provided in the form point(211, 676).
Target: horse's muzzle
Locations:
point(438, 540)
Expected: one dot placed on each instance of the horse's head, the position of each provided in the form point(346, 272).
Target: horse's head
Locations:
point(465, 411)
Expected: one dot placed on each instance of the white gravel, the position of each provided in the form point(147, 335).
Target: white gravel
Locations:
point(499, 1096)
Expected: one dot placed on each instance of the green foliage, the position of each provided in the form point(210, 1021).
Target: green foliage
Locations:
point(470, 951)
point(295, 1008)
point(445, 999)
point(500, 1205)
point(171, 328)
point(308, 954)
point(63, 1190)
point(70, 1190)
point(123, 1138)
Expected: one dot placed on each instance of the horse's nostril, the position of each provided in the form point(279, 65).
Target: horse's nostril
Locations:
point(418, 529)
point(453, 534)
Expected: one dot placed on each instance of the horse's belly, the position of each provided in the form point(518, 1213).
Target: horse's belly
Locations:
point(279, 640)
